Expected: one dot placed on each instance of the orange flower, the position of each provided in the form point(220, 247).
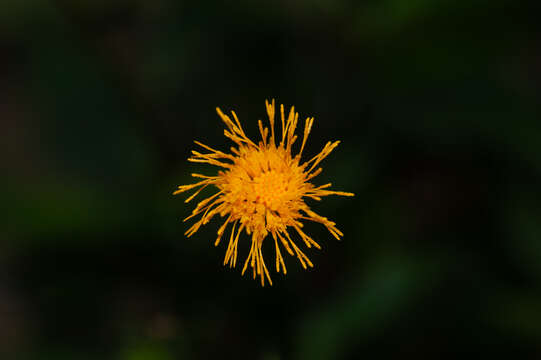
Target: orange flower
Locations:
point(261, 190)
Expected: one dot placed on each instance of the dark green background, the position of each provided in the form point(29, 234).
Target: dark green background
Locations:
point(437, 106)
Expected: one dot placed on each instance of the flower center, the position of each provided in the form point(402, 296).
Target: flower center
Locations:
point(271, 189)
point(264, 189)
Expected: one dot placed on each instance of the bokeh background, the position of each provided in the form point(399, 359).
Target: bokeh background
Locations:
point(436, 103)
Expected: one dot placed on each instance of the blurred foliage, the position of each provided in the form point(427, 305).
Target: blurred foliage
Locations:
point(437, 107)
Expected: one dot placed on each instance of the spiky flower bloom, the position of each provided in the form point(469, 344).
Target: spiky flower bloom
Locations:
point(261, 190)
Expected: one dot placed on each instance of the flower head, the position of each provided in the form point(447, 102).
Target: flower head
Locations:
point(261, 190)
